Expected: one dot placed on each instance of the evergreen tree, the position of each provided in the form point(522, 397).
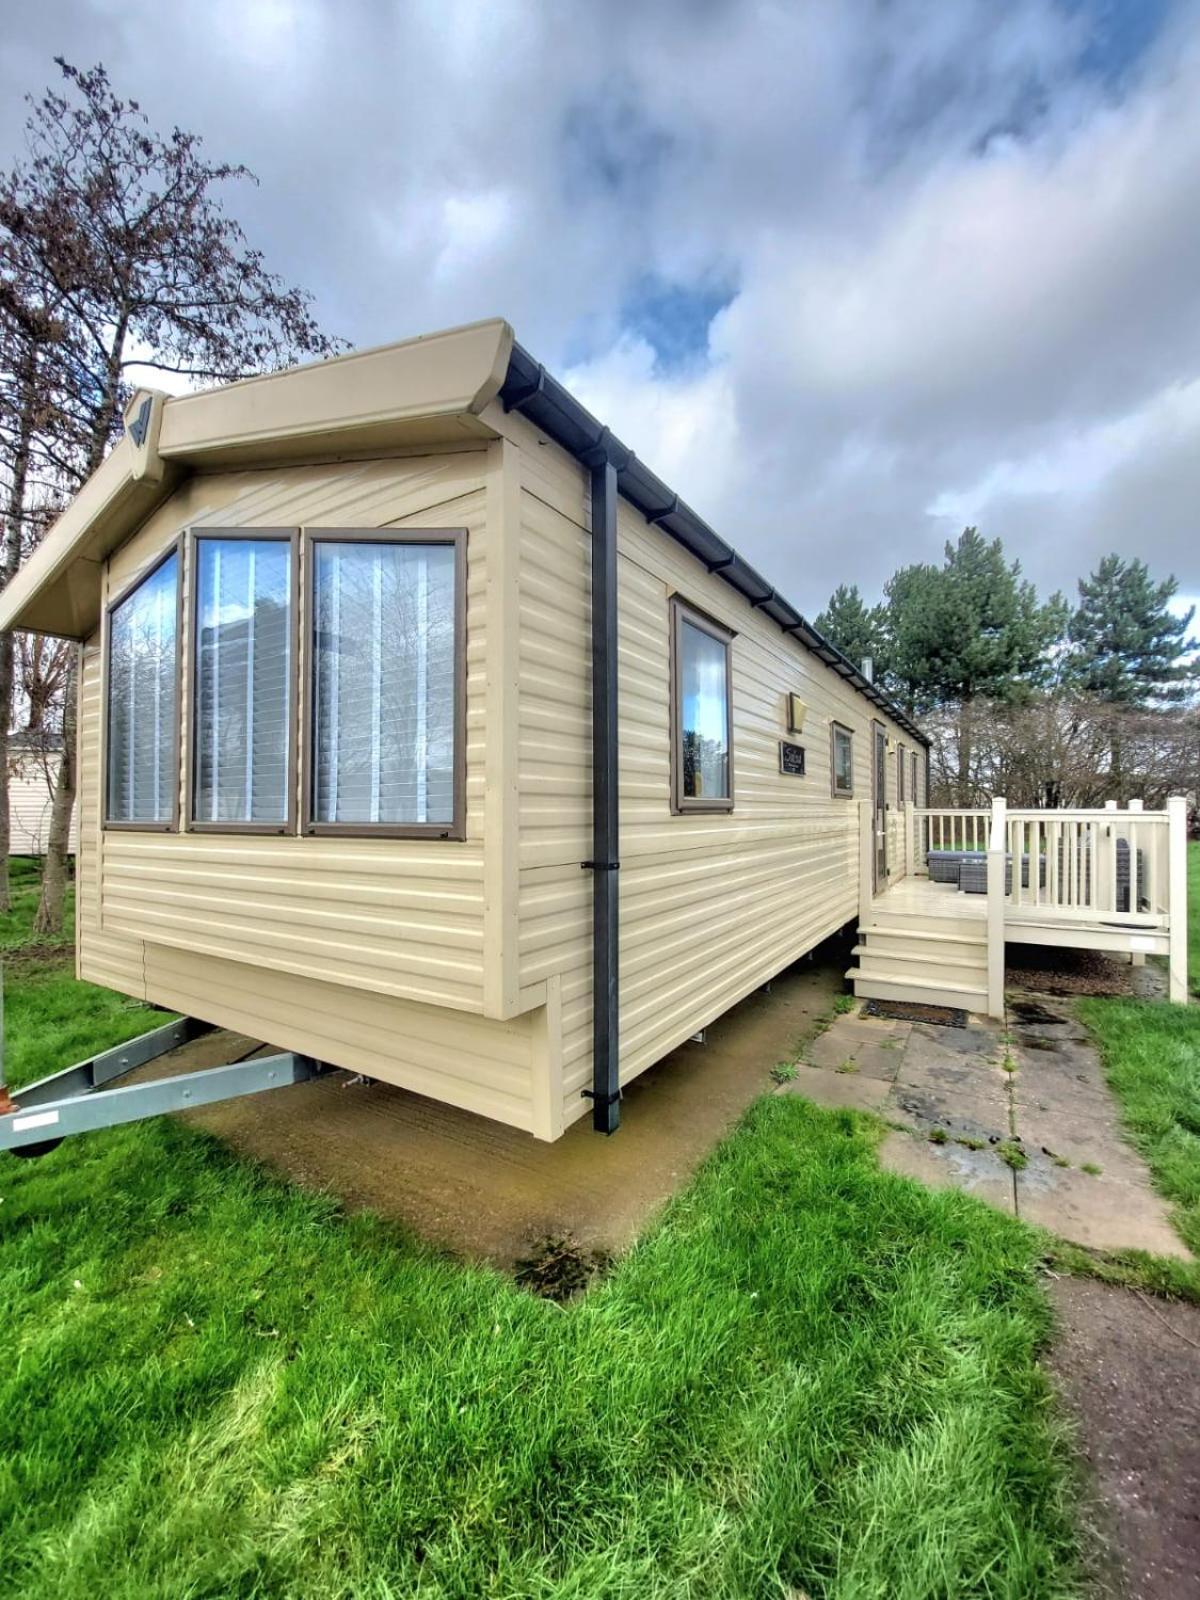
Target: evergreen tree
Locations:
point(1125, 645)
point(970, 629)
point(854, 628)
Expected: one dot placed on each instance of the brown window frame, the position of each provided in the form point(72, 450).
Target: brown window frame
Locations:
point(916, 792)
point(133, 825)
point(683, 611)
point(456, 828)
point(834, 729)
point(901, 775)
point(195, 538)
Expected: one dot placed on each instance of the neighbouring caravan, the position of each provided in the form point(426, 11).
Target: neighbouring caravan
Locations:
point(417, 715)
point(32, 775)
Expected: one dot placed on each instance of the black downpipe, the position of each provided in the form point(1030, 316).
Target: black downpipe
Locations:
point(605, 1093)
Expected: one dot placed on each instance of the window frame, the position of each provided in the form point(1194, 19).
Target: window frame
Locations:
point(110, 824)
point(456, 829)
point(684, 611)
point(916, 791)
point(834, 729)
point(901, 775)
point(195, 538)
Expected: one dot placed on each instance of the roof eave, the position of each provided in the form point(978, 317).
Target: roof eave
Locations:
point(531, 390)
point(422, 391)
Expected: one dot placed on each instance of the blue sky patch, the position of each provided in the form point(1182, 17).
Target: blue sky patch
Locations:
point(674, 318)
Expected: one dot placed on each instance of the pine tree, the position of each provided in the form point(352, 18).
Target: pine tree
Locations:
point(970, 629)
point(854, 628)
point(1126, 646)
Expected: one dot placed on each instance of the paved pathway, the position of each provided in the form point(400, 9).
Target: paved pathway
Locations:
point(962, 1099)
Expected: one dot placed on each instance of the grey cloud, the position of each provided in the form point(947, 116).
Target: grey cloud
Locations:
point(951, 249)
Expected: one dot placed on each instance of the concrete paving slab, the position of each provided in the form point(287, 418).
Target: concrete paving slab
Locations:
point(949, 1166)
point(838, 1089)
point(1062, 1094)
point(834, 1051)
point(972, 1077)
point(965, 1115)
point(975, 1039)
point(1077, 1139)
point(1101, 1213)
point(854, 1024)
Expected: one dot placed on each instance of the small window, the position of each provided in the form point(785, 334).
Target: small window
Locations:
point(142, 780)
point(386, 625)
point(702, 713)
point(900, 775)
point(843, 760)
point(913, 760)
point(244, 670)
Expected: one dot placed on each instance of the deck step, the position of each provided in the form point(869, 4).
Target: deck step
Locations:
point(954, 927)
point(934, 946)
point(901, 964)
point(919, 990)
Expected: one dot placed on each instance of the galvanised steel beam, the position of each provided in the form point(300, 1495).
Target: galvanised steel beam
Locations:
point(96, 1071)
point(44, 1125)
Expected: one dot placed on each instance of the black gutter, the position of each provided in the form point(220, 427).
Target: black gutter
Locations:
point(530, 389)
point(605, 1093)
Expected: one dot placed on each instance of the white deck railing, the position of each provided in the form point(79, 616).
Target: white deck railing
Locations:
point(1067, 872)
point(947, 828)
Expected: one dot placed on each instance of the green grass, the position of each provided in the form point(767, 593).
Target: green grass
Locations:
point(810, 1377)
point(1152, 1061)
point(50, 1019)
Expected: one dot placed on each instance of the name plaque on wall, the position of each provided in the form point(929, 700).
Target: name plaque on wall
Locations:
point(791, 758)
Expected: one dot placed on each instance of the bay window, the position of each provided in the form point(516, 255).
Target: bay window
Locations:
point(142, 725)
point(701, 711)
point(386, 640)
point(243, 675)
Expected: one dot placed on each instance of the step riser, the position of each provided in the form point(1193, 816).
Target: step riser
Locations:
point(885, 942)
point(886, 989)
point(896, 970)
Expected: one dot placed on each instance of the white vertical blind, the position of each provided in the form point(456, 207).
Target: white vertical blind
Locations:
point(142, 678)
point(704, 713)
point(383, 683)
point(243, 677)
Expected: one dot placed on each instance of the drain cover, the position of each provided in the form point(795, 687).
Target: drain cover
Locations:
point(912, 1011)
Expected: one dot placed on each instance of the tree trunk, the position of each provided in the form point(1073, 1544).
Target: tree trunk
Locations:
point(10, 560)
point(49, 919)
point(965, 754)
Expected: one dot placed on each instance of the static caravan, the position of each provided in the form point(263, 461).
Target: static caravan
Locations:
point(32, 778)
point(426, 733)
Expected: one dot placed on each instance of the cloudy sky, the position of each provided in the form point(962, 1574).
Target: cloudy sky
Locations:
point(848, 274)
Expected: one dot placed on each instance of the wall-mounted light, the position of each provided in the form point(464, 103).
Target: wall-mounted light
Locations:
point(796, 711)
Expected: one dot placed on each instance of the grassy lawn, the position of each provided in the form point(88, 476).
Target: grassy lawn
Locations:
point(1152, 1060)
point(810, 1377)
point(50, 1019)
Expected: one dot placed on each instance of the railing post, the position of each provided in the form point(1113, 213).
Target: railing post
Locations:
point(1177, 926)
point(997, 861)
point(866, 860)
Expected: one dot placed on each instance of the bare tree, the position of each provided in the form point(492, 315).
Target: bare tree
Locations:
point(115, 254)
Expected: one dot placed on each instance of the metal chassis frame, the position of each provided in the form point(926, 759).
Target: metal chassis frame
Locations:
point(79, 1099)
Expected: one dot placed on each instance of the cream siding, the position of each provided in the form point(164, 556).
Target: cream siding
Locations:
point(711, 906)
point(365, 952)
point(462, 970)
point(30, 800)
